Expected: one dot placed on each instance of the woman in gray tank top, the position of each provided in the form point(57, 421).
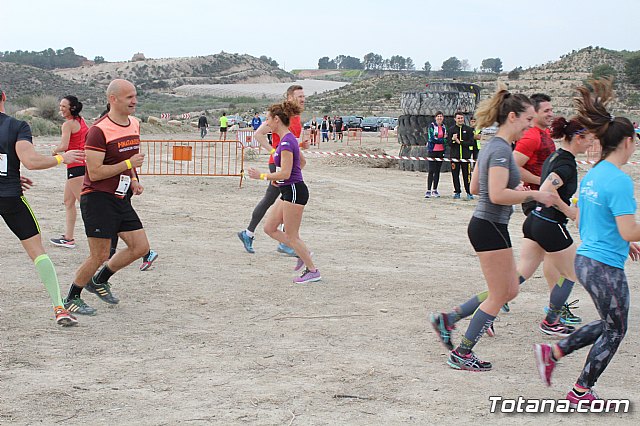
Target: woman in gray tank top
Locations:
point(496, 180)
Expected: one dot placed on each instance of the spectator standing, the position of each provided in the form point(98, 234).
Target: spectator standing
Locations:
point(437, 138)
point(223, 126)
point(256, 121)
point(462, 142)
point(203, 124)
point(314, 131)
point(477, 135)
point(324, 129)
point(337, 124)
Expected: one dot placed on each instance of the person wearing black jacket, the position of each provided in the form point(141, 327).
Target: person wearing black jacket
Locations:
point(461, 140)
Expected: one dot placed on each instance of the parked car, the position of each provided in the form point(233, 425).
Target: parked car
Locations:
point(352, 121)
point(236, 119)
point(390, 122)
point(371, 124)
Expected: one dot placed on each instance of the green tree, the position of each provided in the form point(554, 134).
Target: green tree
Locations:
point(410, 65)
point(99, 60)
point(397, 62)
point(427, 67)
point(604, 70)
point(451, 66)
point(491, 65)
point(325, 64)
point(351, 63)
point(632, 68)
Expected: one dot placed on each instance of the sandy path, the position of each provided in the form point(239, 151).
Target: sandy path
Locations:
point(215, 335)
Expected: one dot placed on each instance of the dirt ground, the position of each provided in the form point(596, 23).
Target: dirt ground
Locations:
point(214, 335)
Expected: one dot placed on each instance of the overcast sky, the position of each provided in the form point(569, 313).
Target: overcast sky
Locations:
point(297, 33)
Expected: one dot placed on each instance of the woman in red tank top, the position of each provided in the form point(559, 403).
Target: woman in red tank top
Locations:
point(74, 131)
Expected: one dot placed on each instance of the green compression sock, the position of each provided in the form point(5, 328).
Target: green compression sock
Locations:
point(48, 276)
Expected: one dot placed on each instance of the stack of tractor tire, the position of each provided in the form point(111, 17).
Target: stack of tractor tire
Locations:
point(419, 109)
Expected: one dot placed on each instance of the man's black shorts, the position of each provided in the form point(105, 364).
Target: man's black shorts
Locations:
point(105, 215)
point(77, 171)
point(19, 217)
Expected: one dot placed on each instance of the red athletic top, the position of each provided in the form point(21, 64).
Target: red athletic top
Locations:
point(295, 127)
point(536, 144)
point(118, 143)
point(76, 141)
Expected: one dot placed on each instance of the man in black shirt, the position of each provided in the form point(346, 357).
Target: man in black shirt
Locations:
point(461, 139)
point(16, 147)
point(202, 125)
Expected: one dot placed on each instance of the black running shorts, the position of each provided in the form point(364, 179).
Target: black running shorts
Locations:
point(488, 236)
point(296, 193)
point(105, 215)
point(552, 236)
point(223, 129)
point(19, 217)
point(74, 172)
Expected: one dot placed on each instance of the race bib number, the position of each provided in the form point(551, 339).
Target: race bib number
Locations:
point(279, 182)
point(123, 187)
point(4, 164)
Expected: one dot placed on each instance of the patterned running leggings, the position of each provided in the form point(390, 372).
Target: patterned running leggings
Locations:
point(608, 288)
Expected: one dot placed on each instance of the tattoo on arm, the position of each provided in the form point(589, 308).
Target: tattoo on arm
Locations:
point(554, 181)
point(528, 199)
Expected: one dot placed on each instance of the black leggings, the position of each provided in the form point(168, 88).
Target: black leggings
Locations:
point(455, 175)
point(433, 177)
point(270, 197)
point(608, 288)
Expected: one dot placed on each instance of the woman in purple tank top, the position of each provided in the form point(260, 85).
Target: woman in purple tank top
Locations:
point(294, 194)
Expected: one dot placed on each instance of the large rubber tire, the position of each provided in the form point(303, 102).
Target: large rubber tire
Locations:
point(429, 103)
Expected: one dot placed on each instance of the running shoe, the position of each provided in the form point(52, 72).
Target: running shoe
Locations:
point(468, 362)
point(63, 317)
point(63, 242)
point(558, 329)
point(544, 361)
point(456, 196)
point(469, 197)
point(308, 277)
point(103, 291)
point(427, 194)
point(435, 193)
point(300, 263)
point(77, 306)
point(574, 399)
point(285, 249)
point(148, 260)
point(443, 329)
point(505, 308)
point(566, 316)
point(247, 241)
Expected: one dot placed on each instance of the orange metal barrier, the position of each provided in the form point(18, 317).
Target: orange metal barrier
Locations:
point(192, 158)
point(384, 133)
point(593, 153)
point(355, 134)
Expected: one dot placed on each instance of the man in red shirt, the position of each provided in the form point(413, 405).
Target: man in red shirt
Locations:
point(535, 146)
point(112, 151)
point(530, 153)
point(295, 93)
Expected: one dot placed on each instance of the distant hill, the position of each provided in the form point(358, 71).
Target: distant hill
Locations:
point(381, 95)
point(22, 81)
point(167, 74)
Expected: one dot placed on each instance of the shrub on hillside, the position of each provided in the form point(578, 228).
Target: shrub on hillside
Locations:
point(42, 127)
point(48, 106)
